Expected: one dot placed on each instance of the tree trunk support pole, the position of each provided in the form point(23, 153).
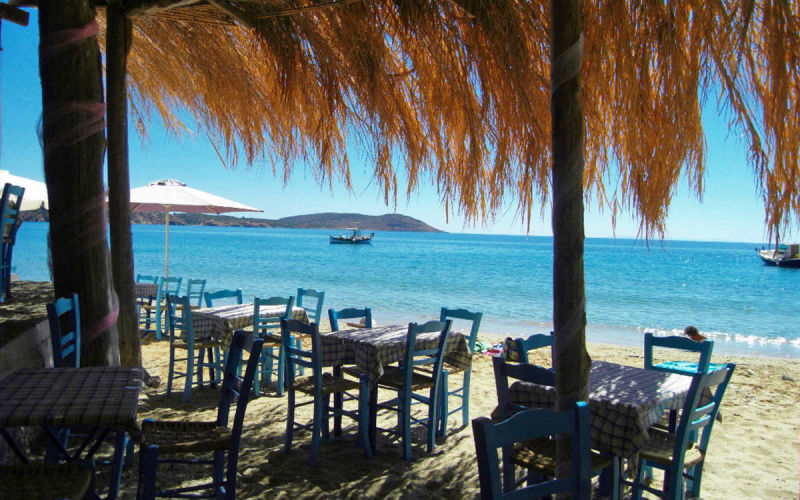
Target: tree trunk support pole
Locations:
point(73, 115)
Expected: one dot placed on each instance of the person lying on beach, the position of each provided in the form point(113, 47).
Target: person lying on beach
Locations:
point(694, 334)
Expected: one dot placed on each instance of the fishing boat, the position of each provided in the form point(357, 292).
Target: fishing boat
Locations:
point(782, 256)
point(355, 237)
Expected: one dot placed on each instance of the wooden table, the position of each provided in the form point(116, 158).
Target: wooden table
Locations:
point(625, 402)
point(101, 399)
point(220, 322)
point(370, 349)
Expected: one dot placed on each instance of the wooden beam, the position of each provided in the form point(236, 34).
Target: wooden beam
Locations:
point(13, 14)
point(134, 8)
point(232, 10)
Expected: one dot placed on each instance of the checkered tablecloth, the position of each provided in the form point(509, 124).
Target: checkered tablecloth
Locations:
point(96, 397)
point(625, 402)
point(220, 322)
point(370, 349)
point(145, 290)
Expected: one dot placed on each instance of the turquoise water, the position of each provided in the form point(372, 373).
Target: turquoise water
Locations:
point(722, 288)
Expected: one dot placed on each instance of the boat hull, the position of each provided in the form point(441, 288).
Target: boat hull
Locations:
point(780, 262)
point(350, 241)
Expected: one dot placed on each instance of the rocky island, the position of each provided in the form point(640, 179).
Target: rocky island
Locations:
point(328, 220)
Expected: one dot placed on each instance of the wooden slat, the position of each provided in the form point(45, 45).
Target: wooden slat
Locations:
point(13, 14)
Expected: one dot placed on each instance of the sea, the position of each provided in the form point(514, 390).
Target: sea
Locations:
point(632, 286)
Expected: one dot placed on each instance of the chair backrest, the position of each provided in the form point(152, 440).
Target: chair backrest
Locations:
point(473, 317)
point(311, 300)
point(237, 388)
point(146, 278)
point(195, 290)
point(65, 331)
point(422, 356)
point(179, 316)
point(536, 341)
point(10, 204)
point(349, 313)
point(704, 349)
point(168, 286)
point(533, 424)
point(698, 412)
point(269, 324)
point(504, 370)
point(210, 297)
point(296, 357)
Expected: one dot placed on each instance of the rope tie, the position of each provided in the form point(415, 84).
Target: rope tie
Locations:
point(567, 65)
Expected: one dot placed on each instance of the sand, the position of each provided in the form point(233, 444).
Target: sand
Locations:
point(753, 451)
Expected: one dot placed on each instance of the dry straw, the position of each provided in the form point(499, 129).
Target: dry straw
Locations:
point(458, 92)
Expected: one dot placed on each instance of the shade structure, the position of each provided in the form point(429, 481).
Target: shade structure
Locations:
point(35, 192)
point(170, 195)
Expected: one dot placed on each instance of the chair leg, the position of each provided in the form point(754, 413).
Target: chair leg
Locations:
point(433, 415)
point(158, 320)
point(405, 417)
point(129, 450)
point(171, 373)
point(316, 429)
point(287, 444)
point(148, 462)
point(465, 398)
point(201, 355)
point(187, 387)
point(116, 464)
point(281, 369)
point(219, 473)
point(441, 422)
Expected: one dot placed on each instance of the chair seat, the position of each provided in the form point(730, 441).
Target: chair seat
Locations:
point(445, 366)
point(659, 450)
point(539, 455)
point(185, 437)
point(44, 481)
point(394, 377)
point(198, 344)
point(353, 371)
point(330, 384)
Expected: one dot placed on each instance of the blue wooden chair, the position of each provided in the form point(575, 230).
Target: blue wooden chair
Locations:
point(350, 313)
point(181, 339)
point(162, 438)
point(166, 286)
point(311, 300)
point(536, 341)
point(409, 382)
point(474, 318)
point(10, 220)
point(677, 454)
point(268, 329)
point(194, 290)
point(685, 344)
point(538, 425)
point(141, 312)
point(319, 386)
point(65, 338)
point(220, 295)
point(538, 457)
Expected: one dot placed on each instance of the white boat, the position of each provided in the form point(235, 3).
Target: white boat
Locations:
point(355, 237)
point(782, 256)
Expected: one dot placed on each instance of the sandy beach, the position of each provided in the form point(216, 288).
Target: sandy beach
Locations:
point(753, 451)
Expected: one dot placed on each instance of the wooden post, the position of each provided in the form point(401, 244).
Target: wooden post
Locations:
point(73, 142)
point(570, 359)
point(118, 37)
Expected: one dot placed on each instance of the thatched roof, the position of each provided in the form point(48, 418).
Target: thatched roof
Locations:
point(459, 92)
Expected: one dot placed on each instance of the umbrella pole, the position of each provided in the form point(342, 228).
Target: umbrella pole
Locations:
point(166, 246)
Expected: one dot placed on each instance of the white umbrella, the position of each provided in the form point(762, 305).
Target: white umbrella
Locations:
point(169, 195)
point(35, 192)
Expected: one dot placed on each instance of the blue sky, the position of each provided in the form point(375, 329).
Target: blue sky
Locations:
point(731, 209)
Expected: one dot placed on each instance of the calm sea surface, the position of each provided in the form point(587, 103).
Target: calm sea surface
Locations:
point(722, 288)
